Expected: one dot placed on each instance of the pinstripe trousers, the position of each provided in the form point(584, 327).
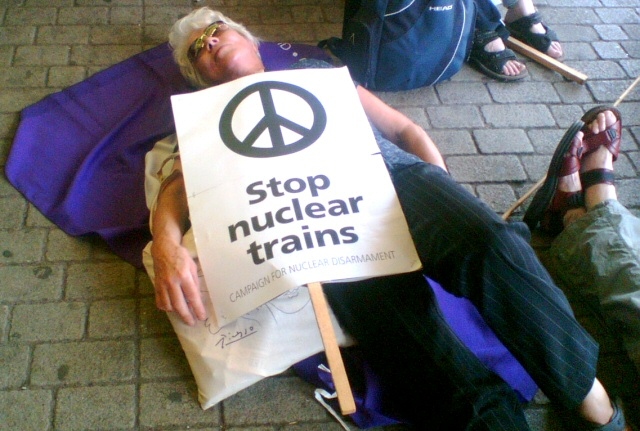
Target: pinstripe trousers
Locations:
point(471, 252)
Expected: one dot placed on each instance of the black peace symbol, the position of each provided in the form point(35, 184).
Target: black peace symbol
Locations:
point(272, 122)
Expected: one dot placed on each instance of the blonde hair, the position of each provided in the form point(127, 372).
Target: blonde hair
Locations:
point(182, 30)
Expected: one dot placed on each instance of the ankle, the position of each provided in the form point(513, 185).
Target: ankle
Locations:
point(599, 159)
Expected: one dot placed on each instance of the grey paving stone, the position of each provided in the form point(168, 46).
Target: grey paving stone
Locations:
point(573, 93)
point(83, 363)
point(609, 50)
point(62, 247)
point(499, 197)
point(6, 189)
point(632, 67)
point(486, 169)
point(517, 116)
point(451, 142)
point(579, 51)
point(8, 126)
point(502, 141)
point(453, 93)
point(536, 166)
point(34, 410)
point(116, 34)
point(63, 34)
point(152, 320)
point(31, 283)
point(524, 92)
point(27, 76)
point(30, 16)
point(102, 55)
point(632, 48)
point(579, 32)
point(96, 408)
point(65, 76)
point(611, 32)
point(112, 318)
point(15, 99)
point(17, 35)
point(14, 359)
point(162, 357)
point(4, 322)
point(36, 219)
point(85, 15)
point(54, 321)
point(446, 117)
point(22, 246)
point(618, 15)
point(566, 115)
point(545, 141)
point(598, 70)
point(100, 280)
point(40, 55)
point(165, 404)
point(273, 400)
point(126, 15)
point(629, 192)
point(6, 55)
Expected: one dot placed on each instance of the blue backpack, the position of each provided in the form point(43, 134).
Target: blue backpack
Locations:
point(404, 44)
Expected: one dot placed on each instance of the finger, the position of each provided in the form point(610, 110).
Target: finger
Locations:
point(180, 305)
point(194, 296)
point(163, 302)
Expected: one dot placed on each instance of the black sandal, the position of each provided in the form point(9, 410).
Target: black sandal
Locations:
point(521, 30)
point(491, 63)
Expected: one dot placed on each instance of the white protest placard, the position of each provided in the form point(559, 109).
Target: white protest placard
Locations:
point(286, 186)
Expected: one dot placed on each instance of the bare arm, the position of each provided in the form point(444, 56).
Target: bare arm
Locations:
point(176, 273)
point(399, 129)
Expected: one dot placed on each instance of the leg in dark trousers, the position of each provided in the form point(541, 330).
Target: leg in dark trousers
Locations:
point(467, 248)
point(432, 379)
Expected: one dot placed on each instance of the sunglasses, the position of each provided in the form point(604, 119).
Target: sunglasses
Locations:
point(198, 44)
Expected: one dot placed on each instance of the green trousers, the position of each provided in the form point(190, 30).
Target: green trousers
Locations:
point(599, 255)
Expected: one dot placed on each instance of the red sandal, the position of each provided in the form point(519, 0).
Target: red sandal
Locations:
point(610, 137)
point(549, 204)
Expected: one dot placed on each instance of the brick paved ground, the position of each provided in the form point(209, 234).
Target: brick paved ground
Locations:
point(81, 344)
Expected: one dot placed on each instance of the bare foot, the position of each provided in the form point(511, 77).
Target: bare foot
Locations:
point(599, 159)
point(526, 9)
point(511, 67)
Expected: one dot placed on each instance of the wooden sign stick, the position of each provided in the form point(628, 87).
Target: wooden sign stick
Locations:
point(336, 365)
point(537, 185)
point(545, 60)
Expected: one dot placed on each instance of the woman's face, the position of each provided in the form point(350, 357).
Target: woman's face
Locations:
point(225, 55)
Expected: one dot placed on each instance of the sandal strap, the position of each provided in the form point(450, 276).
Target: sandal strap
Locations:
point(481, 38)
point(526, 22)
point(597, 176)
point(521, 29)
point(608, 137)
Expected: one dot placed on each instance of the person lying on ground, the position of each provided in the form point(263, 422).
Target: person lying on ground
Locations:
point(462, 244)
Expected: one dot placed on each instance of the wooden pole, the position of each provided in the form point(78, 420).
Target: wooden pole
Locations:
point(537, 185)
point(336, 365)
point(524, 197)
point(546, 61)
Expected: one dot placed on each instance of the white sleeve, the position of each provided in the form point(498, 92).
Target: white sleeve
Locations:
point(158, 164)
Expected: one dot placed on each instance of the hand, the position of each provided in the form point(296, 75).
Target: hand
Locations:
point(176, 281)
